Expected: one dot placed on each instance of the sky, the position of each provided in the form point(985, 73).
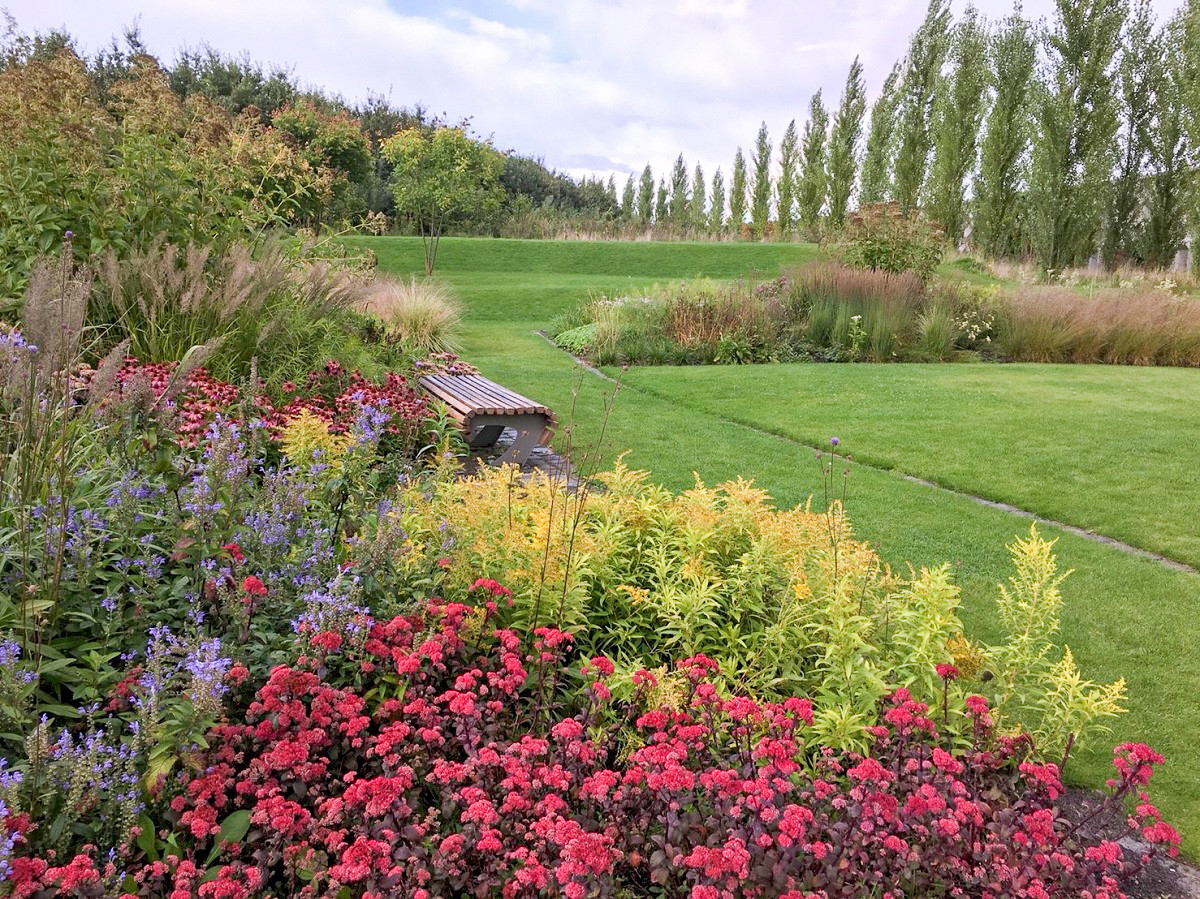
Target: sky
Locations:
point(590, 86)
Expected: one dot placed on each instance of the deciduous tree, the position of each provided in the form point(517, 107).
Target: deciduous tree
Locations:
point(441, 176)
point(760, 189)
point(999, 209)
point(696, 202)
point(629, 200)
point(716, 206)
point(645, 204)
point(1139, 73)
point(661, 204)
point(785, 185)
point(877, 164)
point(1077, 119)
point(958, 113)
point(737, 193)
point(678, 204)
point(813, 178)
point(843, 144)
point(1169, 165)
point(922, 70)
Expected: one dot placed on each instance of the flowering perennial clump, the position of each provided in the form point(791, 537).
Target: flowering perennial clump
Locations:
point(453, 767)
point(332, 395)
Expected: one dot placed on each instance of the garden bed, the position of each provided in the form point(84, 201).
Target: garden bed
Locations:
point(620, 690)
point(834, 313)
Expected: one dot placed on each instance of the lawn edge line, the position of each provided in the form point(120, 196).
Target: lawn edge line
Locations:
point(1075, 530)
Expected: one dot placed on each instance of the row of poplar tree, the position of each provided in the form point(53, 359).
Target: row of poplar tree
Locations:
point(1057, 140)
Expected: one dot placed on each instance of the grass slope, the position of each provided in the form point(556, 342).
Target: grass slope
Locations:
point(1124, 616)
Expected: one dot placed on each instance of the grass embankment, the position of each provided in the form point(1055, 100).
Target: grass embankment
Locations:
point(1108, 448)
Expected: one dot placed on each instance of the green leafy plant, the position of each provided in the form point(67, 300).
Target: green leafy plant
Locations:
point(882, 236)
point(441, 176)
point(1038, 687)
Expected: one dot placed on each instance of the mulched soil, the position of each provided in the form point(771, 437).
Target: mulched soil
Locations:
point(1163, 878)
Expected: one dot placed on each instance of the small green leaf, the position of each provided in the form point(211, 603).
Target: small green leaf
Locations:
point(145, 840)
point(233, 830)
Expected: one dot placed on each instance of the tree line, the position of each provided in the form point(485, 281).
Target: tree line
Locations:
point(1053, 140)
point(343, 138)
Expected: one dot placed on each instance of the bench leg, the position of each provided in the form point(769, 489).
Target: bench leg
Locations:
point(518, 453)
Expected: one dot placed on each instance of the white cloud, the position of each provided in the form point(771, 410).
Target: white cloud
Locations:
point(577, 82)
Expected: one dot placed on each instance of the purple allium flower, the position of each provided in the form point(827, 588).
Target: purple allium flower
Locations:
point(68, 234)
point(833, 441)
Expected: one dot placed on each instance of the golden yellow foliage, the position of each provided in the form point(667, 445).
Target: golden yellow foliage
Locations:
point(306, 441)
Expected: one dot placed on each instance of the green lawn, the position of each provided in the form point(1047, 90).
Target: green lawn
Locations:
point(1107, 448)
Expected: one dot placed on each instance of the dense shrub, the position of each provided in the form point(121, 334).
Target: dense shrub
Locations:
point(881, 236)
point(431, 755)
point(143, 166)
point(786, 601)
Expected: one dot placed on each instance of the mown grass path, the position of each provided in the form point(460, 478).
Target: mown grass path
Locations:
point(1113, 449)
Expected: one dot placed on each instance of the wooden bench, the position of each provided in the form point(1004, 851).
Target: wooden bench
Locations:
point(483, 409)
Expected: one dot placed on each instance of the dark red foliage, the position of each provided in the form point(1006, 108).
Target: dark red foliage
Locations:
point(445, 773)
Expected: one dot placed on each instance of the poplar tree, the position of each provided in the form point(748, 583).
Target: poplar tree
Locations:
point(1139, 73)
point(646, 195)
point(660, 204)
point(737, 194)
point(813, 179)
point(628, 199)
point(696, 216)
point(922, 70)
point(1189, 82)
point(679, 193)
point(716, 206)
point(760, 190)
point(785, 186)
point(1077, 119)
point(999, 209)
point(877, 164)
point(958, 113)
point(1169, 169)
point(843, 144)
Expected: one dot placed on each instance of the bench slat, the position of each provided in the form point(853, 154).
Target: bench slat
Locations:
point(498, 396)
point(455, 390)
point(455, 403)
point(482, 401)
point(474, 393)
